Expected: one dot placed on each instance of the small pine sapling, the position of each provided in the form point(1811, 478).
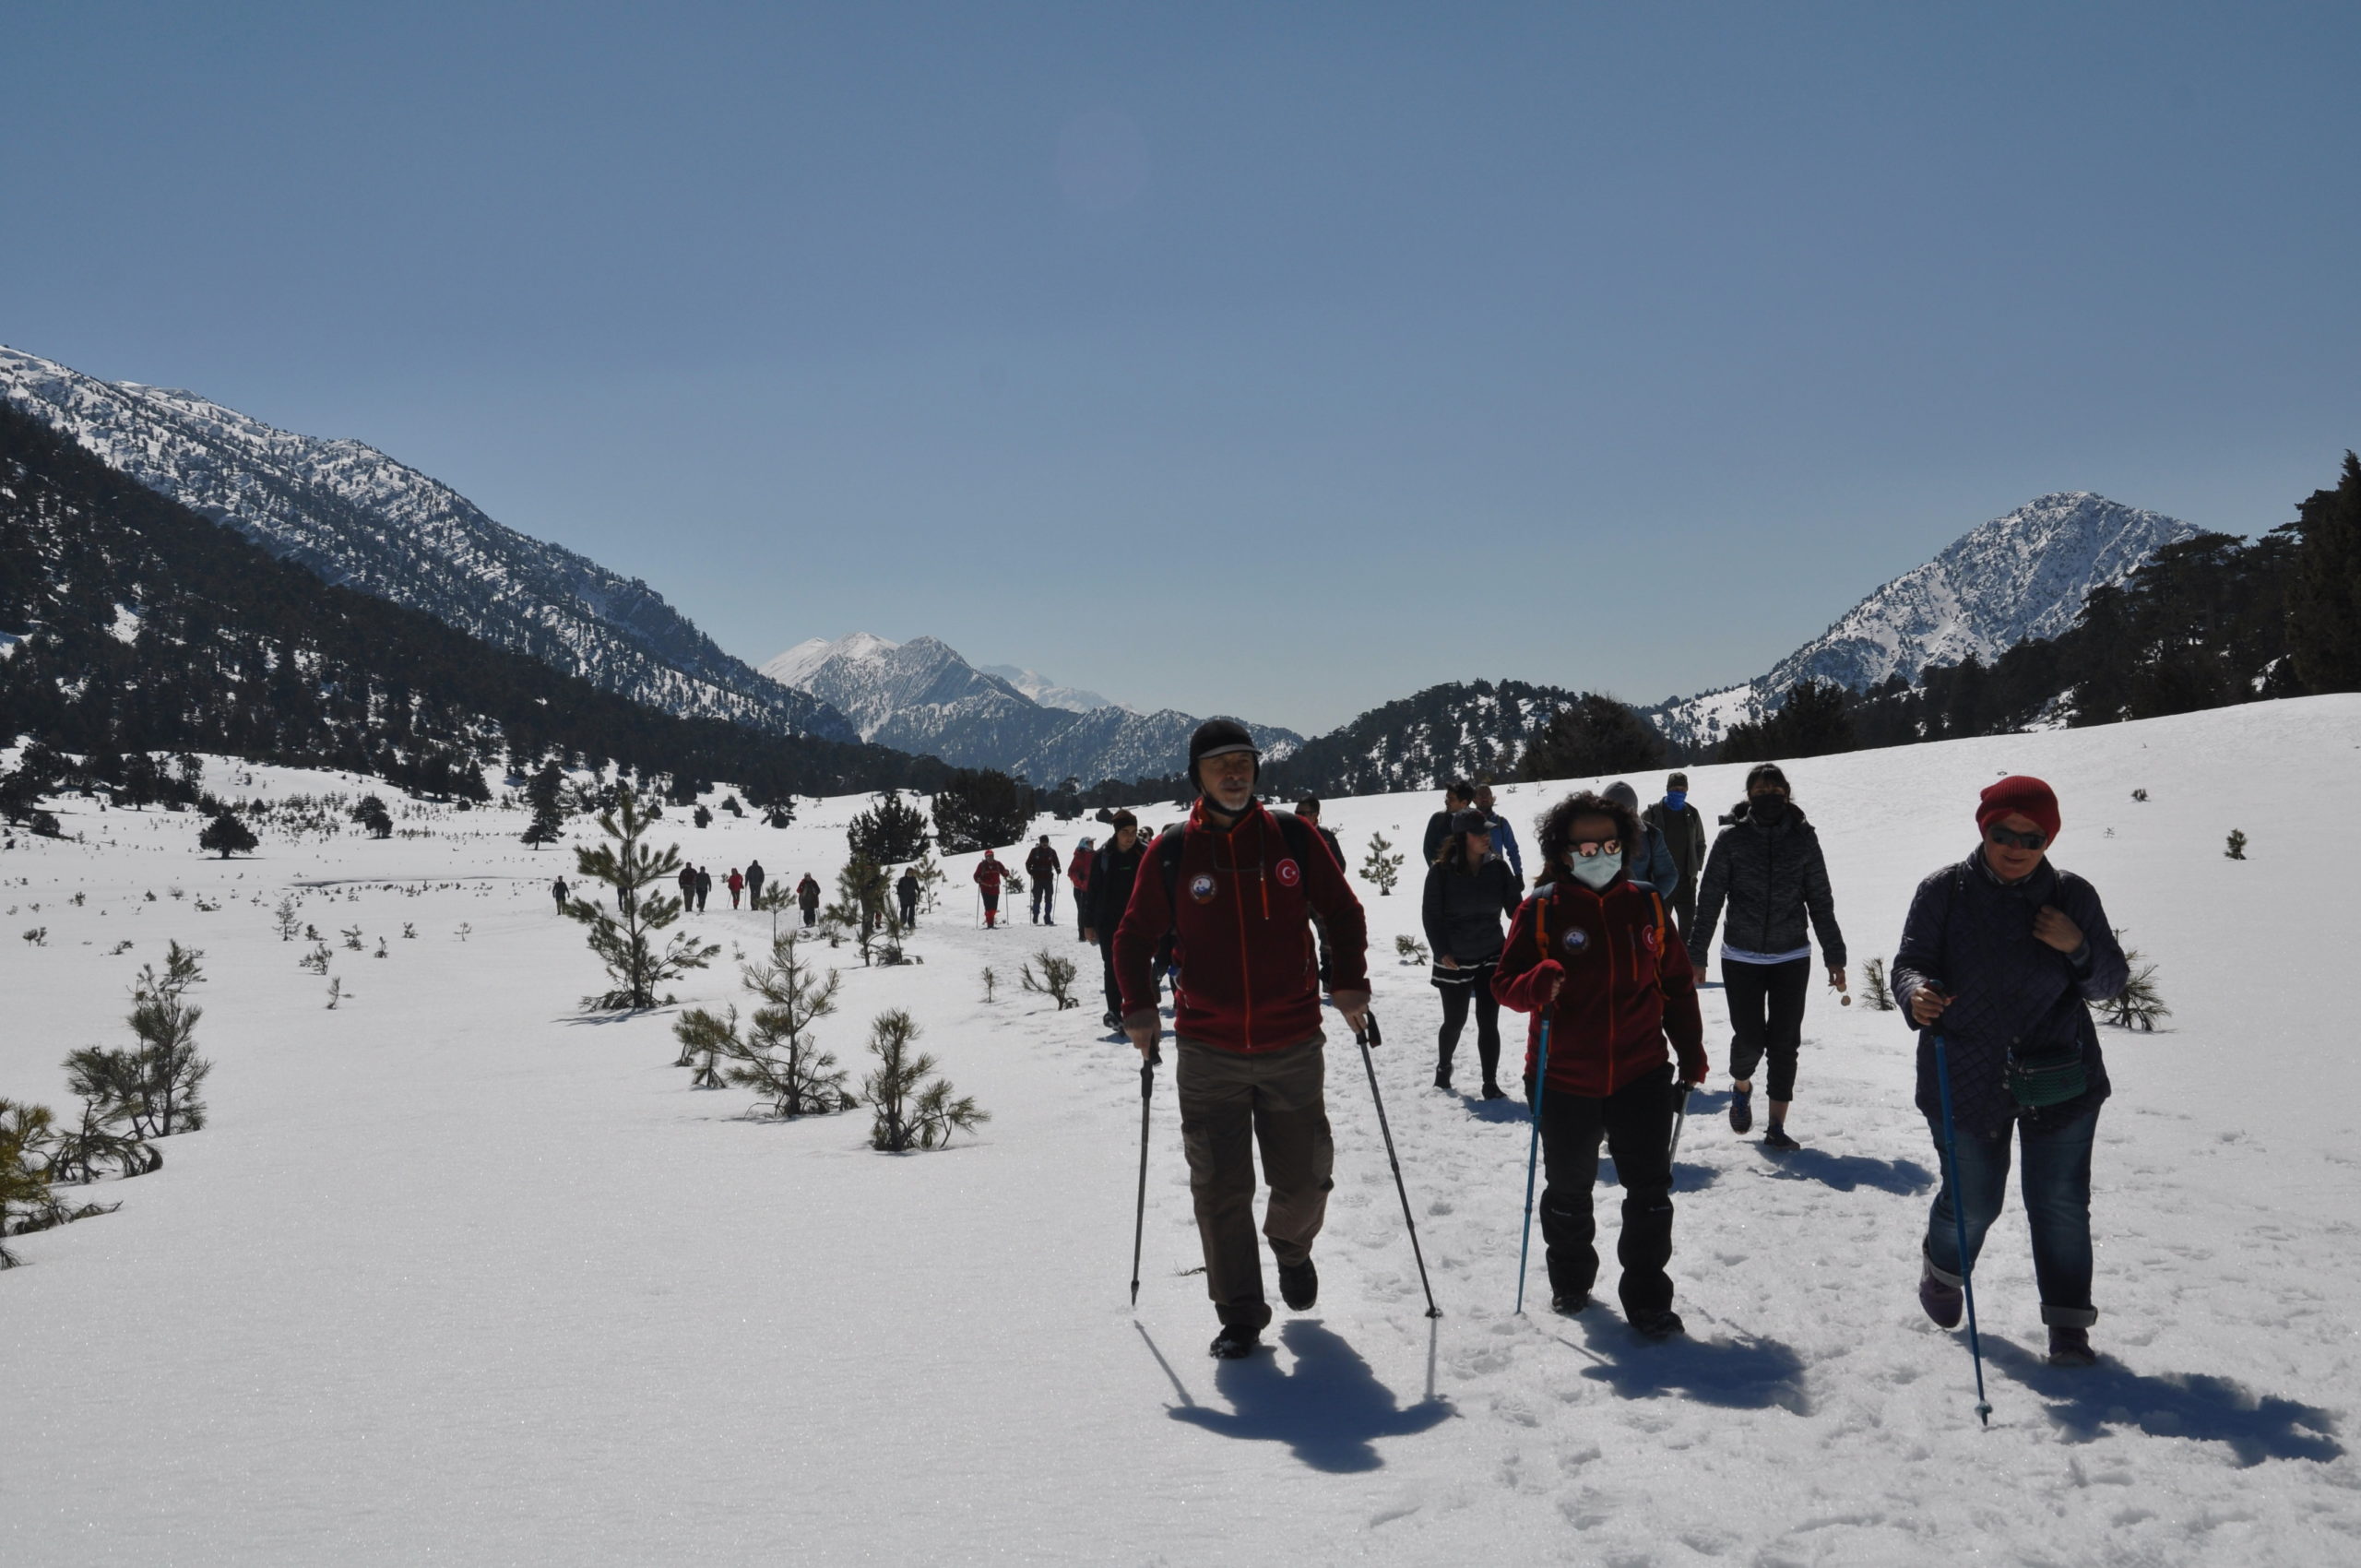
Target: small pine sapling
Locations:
point(704, 1036)
point(990, 980)
point(2139, 1003)
point(25, 1199)
point(2140, 795)
point(1410, 950)
point(99, 1141)
point(2237, 850)
point(777, 1057)
point(913, 1109)
point(335, 992)
point(930, 879)
point(317, 960)
point(625, 941)
point(1054, 979)
point(1881, 996)
point(352, 937)
point(286, 921)
point(1381, 868)
point(37, 936)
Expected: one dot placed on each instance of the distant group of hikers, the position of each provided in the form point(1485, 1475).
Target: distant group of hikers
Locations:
point(1251, 914)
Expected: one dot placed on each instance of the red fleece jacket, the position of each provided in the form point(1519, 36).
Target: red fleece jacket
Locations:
point(1628, 985)
point(1239, 911)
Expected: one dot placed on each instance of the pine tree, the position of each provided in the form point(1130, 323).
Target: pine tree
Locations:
point(912, 1112)
point(1592, 736)
point(890, 832)
point(25, 1201)
point(227, 835)
point(1381, 868)
point(370, 813)
point(2324, 600)
point(155, 1087)
point(546, 795)
point(776, 1057)
point(1053, 978)
point(979, 809)
point(625, 940)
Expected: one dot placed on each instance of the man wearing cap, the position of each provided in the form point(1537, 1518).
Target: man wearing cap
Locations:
point(2001, 955)
point(1684, 835)
point(1235, 887)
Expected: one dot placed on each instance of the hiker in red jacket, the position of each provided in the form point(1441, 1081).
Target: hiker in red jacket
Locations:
point(1594, 955)
point(989, 872)
point(737, 885)
point(1235, 887)
point(1079, 877)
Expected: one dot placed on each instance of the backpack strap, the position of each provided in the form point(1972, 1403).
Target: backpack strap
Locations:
point(1168, 857)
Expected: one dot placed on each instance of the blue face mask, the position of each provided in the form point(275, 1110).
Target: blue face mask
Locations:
point(1675, 799)
point(1597, 871)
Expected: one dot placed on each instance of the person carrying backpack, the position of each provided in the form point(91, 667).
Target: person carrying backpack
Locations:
point(906, 892)
point(1112, 870)
point(1592, 955)
point(1648, 860)
point(2001, 955)
point(807, 898)
point(1041, 865)
point(1235, 886)
point(1767, 867)
point(988, 875)
point(754, 884)
point(688, 880)
point(1468, 889)
point(737, 885)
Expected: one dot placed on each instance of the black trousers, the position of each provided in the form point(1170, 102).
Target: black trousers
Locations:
point(1767, 1018)
point(1107, 972)
point(1683, 907)
point(1636, 1122)
point(1458, 996)
point(909, 914)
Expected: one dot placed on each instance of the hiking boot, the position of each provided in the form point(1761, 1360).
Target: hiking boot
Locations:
point(2070, 1348)
point(1775, 1136)
point(1494, 1091)
point(1235, 1342)
point(1567, 1303)
point(1741, 1110)
point(1298, 1285)
point(1111, 1020)
point(1943, 1302)
point(1443, 1079)
point(1656, 1323)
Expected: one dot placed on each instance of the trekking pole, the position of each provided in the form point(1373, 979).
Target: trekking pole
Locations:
point(1532, 1158)
point(1679, 1119)
point(1363, 1035)
point(1139, 1216)
point(1959, 1219)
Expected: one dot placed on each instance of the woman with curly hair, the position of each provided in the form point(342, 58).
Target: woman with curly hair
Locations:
point(1593, 955)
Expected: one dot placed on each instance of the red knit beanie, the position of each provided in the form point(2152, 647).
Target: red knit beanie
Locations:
point(2019, 794)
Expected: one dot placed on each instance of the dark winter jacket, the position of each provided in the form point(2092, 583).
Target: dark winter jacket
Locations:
point(1771, 877)
point(1438, 829)
point(1970, 936)
point(1463, 909)
point(1628, 985)
point(1111, 870)
point(1041, 865)
point(807, 893)
point(1239, 908)
point(908, 890)
point(1684, 835)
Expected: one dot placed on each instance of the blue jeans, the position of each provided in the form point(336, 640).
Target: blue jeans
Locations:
point(2056, 1186)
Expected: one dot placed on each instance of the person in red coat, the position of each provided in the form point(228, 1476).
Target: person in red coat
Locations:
point(737, 885)
point(1595, 957)
point(1078, 878)
point(1235, 887)
point(989, 875)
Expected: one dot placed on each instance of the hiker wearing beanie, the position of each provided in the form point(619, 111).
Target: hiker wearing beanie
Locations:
point(1767, 865)
point(1112, 870)
point(1647, 860)
point(1235, 886)
point(1593, 954)
point(1468, 889)
point(1684, 835)
point(2001, 955)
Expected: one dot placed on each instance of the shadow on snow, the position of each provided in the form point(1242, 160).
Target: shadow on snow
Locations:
point(2086, 1401)
point(1747, 1373)
point(1329, 1408)
point(1844, 1172)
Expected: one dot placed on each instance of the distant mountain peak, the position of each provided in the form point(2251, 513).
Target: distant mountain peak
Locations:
point(1048, 693)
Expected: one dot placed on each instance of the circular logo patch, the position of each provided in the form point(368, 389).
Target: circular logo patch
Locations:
point(1649, 936)
point(1289, 873)
point(1577, 940)
point(1201, 887)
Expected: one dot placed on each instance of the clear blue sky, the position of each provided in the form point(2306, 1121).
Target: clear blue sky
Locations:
point(1272, 359)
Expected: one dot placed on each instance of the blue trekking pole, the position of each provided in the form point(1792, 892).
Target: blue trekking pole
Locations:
point(1959, 1218)
point(1532, 1157)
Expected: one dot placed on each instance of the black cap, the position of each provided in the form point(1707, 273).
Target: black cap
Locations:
point(1215, 737)
point(1470, 821)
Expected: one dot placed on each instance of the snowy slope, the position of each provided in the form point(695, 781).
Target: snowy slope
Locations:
point(457, 1275)
point(359, 519)
point(921, 696)
point(2020, 575)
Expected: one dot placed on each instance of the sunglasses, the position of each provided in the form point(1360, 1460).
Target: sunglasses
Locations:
point(1593, 850)
point(2014, 840)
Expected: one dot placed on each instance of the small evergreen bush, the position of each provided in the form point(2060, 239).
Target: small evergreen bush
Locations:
point(913, 1110)
point(1381, 868)
point(2139, 1003)
point(1054, 979)
point(1410, 950)
point(1873, 985)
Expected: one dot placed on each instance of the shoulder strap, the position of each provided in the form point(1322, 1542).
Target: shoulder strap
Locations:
point(1168, 857)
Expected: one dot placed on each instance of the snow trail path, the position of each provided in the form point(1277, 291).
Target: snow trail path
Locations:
point(457, 1274)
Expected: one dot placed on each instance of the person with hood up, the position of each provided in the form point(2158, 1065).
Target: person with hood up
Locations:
point(1767, 867)
point(807, 898)
point(2003, 955)
point(1234, 886)
point(1469, 888)
point(1683, 831)
point(1041, 865)
point(1078, 878)
point(1647, 860)
point(1592, 955)
point(989, 873)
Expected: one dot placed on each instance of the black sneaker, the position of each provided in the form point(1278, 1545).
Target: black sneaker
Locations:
point(1566, 1305)
point(1775, 1136)
point(1656, 1323)
point(1442, 1080)
point(1494, 1091)
point(1741, 1110)
point(2072, 1348)
point(1236, 1342)
point(1298, 1285)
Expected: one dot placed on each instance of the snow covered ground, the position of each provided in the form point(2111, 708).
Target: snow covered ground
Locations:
point(459, 1274)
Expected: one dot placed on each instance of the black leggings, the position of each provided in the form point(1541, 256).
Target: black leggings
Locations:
point(1766, 1018)
point(1456, 999)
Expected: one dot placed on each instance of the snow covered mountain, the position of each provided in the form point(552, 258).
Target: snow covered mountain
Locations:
point(2020, 575)
point(1048, 693)
point(922, 696)
point(360, 519)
